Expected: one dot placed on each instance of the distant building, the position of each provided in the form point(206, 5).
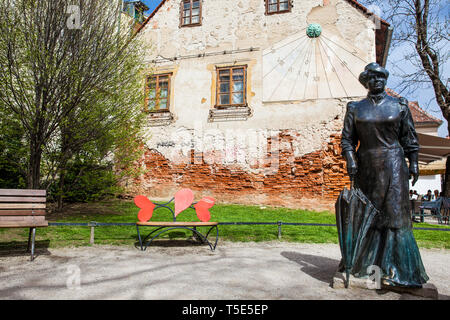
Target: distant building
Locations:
point(135, 9)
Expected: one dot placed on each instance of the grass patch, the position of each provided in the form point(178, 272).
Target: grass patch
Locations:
point(126, 212)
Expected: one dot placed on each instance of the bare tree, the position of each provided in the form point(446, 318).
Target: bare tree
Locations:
point(69, 71)
point(423, 26)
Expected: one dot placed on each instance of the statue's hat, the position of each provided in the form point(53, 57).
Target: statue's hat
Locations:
point(372, 67)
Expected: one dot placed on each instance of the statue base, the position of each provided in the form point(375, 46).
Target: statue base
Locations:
point(339, 281)
point(428, 290)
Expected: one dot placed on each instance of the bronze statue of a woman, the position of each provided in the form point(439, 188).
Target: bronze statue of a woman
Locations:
point(383, 127)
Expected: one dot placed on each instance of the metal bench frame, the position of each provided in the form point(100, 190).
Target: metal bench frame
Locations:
point(163, 227)
point(439, 208)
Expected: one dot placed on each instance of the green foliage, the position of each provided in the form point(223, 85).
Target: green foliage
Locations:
point(13, 152)
point(77, 96)
point(85, 182)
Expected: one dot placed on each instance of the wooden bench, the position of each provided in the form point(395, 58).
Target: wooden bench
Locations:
point(164, 226)
point(23, 208)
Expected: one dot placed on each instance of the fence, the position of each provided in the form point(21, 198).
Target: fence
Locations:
point(94, 224)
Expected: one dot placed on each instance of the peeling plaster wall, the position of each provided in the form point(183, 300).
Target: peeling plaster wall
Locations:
point(230, 25)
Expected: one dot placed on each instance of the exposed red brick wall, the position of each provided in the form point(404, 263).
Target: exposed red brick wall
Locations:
point(312, 181)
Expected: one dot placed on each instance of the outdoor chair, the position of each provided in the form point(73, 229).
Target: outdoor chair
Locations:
point(415, 209)
point(434, 207)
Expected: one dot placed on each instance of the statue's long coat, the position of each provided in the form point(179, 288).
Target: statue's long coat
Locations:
point(383, 129)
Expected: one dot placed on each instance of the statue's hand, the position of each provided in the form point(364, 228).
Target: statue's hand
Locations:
point(414, 172)
point(352, 172)
point(352, 166)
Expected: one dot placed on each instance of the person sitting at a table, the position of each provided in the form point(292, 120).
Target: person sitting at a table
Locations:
point(428, 196)
point(436, 195)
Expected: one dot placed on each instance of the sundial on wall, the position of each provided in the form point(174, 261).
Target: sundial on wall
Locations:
point(313, 64)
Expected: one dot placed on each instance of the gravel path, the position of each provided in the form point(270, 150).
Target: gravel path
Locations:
point(269, 270)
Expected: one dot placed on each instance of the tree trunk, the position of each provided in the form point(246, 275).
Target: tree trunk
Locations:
point(34, 168)
point(446, 184)
point(446, 191)
point(61, 189)
point(65, 152)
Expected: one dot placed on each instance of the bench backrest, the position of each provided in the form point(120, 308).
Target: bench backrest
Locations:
point(436, 204)
point(22, 208)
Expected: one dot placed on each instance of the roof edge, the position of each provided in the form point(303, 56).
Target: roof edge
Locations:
point(367, 12)
point(151, 16)
point(428, 124)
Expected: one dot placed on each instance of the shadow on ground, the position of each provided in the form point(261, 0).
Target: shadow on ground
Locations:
point(318, 267)
point(19, 248)
point(172, 243)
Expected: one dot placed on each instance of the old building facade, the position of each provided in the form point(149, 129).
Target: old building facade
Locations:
point(246, 99)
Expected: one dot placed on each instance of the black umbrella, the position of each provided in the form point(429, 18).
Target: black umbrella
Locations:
point(354, 216)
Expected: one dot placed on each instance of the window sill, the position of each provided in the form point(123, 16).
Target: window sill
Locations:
point(157, 112)
point(229, 113)
point(277, 12)
point(159, 118)
point(230, 106)
point(190, 25)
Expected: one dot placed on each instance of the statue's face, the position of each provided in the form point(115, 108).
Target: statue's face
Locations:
point(377, 82)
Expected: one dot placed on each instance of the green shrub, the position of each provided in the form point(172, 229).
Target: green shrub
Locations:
point(86, 182)
point(13, 153)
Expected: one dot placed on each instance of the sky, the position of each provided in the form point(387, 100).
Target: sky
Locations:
point(151, 4)
point(396, 65)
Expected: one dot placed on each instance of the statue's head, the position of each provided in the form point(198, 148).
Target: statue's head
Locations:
point(374, 77)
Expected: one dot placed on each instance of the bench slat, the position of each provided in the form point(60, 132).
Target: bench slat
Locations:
point(23, 199)
point(22, 205)
point(176, 224)
point(22, 218)
point(23, 224)
point(28, 212)
point(23, 192)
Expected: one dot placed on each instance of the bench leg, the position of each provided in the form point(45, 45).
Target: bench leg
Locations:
point(32, 243)
point(139, 236)
point(217, 236)
point(196, 237)
point(29, 239)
